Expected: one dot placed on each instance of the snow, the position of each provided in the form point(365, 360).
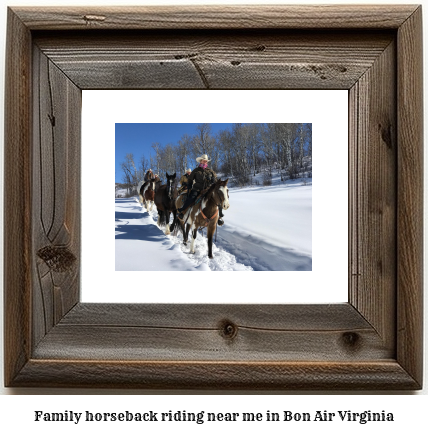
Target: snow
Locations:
point(266, 229)
point(140, 244)
point(270, 228)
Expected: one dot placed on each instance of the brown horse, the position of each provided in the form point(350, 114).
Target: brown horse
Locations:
point(165, 196)
point(149, 195)
point(204, 213)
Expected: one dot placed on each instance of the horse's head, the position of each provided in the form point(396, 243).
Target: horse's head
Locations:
point(223, 193)
point(170, 184)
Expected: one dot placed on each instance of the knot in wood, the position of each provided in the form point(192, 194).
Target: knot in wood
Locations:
point(386, 134)
point(228, 330)
point(351, 340)
point(58, 259)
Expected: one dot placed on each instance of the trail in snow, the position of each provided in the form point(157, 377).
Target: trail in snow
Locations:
point(142, 246)
point(270, 228)
point(266, 229)
point(259, 254)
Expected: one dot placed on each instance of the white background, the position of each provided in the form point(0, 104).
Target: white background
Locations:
point(328, 113)
point(16, 412)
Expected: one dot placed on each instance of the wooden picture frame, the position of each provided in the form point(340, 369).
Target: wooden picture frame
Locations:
point(372, 342)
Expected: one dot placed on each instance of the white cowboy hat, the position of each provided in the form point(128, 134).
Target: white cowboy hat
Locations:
point(188, 170)
point(204, 157)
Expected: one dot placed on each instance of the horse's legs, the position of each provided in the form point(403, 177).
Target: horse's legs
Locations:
point(167, 215)
point(210, 234)
point(183, 230)
point(160, 217)
point(192, 244)
point(187, 232)
point(174, 219)
point(141, 199)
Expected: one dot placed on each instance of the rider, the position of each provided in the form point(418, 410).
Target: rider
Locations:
point(185, 177)
point(201, 178)
point(183, 181)
point(149, 175)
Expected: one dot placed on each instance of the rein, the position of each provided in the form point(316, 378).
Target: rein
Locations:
point(207, 220)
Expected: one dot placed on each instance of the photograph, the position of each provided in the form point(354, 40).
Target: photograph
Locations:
point(213, 196)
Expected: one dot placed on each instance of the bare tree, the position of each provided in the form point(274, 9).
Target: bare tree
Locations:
point(152, 164)
point(267, 142)
point(203, 142)
point(168, 163)
point(253, 145)
point(226, 151)
point(308, 128)
point(143, 167)
point(284, 137)
point(157, 159)
point(184, 151)
point(130, 177)
point(240, 140)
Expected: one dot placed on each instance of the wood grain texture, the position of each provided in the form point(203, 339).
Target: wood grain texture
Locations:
point(216, 59)
point(372, 342)
point(217, 17)
point(56, 194)
point(386, 375)
point(17, 199)
point(410, 196)
point(210, 316)
point(198, 332)
point(373, 178)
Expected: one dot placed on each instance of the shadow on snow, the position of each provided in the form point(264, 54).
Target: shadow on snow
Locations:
point(125, 230)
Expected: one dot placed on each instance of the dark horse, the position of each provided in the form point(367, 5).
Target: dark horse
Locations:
point(165, 196)
point(204, 213)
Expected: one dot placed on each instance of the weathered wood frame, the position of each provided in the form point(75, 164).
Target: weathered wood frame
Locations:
point(372, 342)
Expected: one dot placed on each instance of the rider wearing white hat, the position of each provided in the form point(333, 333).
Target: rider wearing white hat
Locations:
point(201, 177)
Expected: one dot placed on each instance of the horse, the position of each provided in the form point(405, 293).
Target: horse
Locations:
point(143, 186)
point(165, 196)
point(149, 195)
point(140, 192)
point(205, 214)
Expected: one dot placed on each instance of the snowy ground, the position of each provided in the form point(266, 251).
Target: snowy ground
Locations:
point(266, 229)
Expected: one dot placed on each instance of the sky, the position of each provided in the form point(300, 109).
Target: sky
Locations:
point(138, 139)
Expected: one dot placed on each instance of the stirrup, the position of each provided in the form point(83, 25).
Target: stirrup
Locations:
point(180, 215)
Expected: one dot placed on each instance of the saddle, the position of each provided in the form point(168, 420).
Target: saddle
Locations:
point(198, 199)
